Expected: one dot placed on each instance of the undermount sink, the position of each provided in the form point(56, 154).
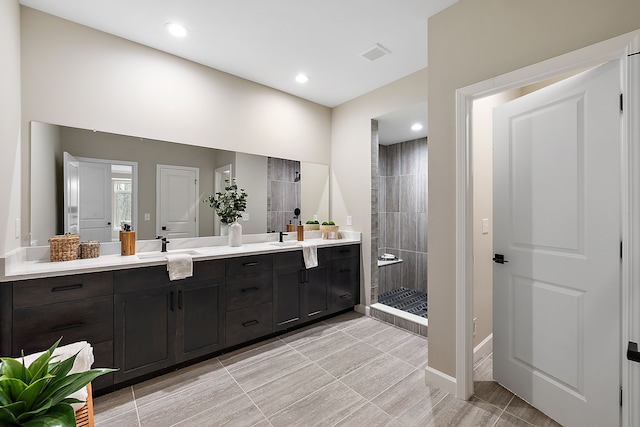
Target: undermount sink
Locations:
point(160, 255)
point(285, 244)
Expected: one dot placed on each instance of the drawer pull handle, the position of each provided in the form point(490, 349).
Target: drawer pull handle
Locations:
point(345, 296)
point(251, 289)
point(346, 270)
point(250, 264)
point(66, 288)
point(68, 326)
point(250, 323)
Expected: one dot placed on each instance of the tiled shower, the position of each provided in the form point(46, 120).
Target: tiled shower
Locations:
point(402, 216)
point(283, 197)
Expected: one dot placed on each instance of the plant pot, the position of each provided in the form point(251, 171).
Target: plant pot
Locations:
point(235, 234)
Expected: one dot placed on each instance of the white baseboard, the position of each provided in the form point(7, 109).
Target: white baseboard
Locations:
point(483, 349)
point(362, 309)
point(440, 379)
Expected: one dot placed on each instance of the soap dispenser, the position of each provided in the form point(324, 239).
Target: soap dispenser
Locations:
point(300, 231)
point(290, 227)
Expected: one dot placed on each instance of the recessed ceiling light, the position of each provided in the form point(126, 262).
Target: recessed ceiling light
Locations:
point(416, 127)
point(302, 78)
point(177, 30)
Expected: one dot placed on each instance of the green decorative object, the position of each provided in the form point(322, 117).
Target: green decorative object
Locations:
point(36, 396)
point(230, 203)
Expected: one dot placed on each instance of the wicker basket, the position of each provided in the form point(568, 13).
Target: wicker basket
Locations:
point(64, 247)
point(90, 249)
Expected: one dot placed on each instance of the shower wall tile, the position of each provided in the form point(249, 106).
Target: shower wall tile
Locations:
point(393, 160)
point(422, 155)
point(408, 189)
point(392, 238)
point(382, 160)
point(422, 241)
point(422, 269)
point(408, 158)
point(382, 194)
point(382, 230)
point(277, 195)
point(408, 231)
point(421, 193)
point(409, 269)
point(393, 193)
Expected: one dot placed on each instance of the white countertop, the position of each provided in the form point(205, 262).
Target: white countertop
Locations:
point(30, 263)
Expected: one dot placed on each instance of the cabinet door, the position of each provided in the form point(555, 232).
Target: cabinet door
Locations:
point(288, 297)
point(317, 290)
point(200, 327)
point(345, 277)
point(145, 331)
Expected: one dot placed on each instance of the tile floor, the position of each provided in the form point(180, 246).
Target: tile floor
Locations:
point(349, 370)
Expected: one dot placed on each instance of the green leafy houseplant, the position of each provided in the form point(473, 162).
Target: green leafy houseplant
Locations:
point(230, 203)
point(36, 396)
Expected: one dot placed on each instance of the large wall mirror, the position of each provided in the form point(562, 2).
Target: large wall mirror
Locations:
point(111, 180)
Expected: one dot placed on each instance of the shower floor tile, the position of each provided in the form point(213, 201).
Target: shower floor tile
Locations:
point(409, 300)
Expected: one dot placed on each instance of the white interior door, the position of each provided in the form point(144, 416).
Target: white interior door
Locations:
point(71, 176)
point(95, 201)
point(222, 174)
point(177, 201)
point(557, 223)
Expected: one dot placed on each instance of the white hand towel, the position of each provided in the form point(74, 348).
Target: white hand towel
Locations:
point(310, 254)
point(179, 266)
point(83, 363)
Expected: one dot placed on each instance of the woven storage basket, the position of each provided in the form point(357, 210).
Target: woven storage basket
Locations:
point(90, 249)
point(64, 247)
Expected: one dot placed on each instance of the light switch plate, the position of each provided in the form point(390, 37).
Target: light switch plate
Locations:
point(245, 216)
point(147, 217)
point(485, 225)
point(349, 220)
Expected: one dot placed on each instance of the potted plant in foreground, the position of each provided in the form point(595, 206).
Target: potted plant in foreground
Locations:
point(229, 206)
point(37, 395)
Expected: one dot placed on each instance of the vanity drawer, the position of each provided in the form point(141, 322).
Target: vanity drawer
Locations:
point(249, 265)
point(243, 292)
point(249, 323)
point(37, 328)
point(345, 270)
point(346, 251)
point(36, 292)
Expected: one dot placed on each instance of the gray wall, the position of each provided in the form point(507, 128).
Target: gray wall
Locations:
point(402, 216)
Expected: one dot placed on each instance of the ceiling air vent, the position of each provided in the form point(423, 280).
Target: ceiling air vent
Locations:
point(375, 52)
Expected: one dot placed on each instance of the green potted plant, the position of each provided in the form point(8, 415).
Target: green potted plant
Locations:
point(229, 206)
point(37, 395)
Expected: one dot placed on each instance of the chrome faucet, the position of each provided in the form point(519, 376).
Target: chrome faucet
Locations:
point(164, 243)
point(282, 233)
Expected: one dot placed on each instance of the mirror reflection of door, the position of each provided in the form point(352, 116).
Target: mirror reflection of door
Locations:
point(71, 172)
point(177, 201)
point(222, 174)
point(98, 197)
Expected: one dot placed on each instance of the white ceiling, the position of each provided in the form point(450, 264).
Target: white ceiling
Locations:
point(270, 42)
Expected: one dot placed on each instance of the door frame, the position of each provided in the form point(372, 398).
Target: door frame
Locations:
point(617, 48)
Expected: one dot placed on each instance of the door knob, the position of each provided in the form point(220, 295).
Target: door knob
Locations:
point(632, 352)
point(499, 259)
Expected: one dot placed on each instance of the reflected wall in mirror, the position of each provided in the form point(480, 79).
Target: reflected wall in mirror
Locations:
point(49, 142)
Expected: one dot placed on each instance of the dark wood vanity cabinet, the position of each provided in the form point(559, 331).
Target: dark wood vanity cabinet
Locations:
point(159, 323)
point(345, 277)
point(300, 294)
point(76, 308)
point(140, 322)
point(249, 308)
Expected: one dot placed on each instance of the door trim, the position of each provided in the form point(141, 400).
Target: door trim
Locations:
point(591, 56)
